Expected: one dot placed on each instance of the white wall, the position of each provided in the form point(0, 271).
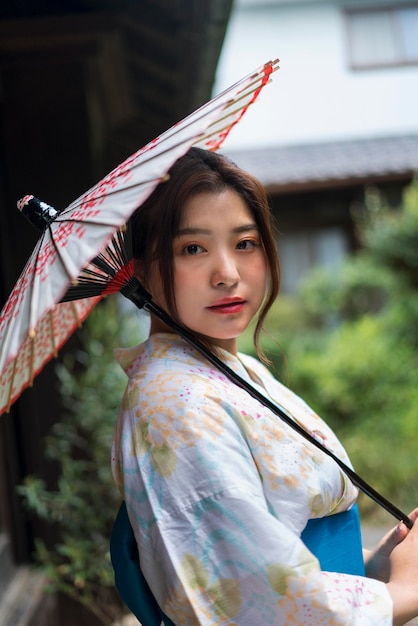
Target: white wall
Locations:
point(314, 97)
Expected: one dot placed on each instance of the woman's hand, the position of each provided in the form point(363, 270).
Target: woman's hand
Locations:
point(377, 561)
point(401, 550)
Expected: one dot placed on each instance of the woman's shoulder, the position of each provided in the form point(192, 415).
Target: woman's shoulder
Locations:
point(255, 366)
point(266, 377)
point(166, 362)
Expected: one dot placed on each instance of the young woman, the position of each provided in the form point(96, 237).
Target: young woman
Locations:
point(218, 489)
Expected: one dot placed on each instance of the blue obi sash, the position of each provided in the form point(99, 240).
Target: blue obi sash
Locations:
point(130, 583)
point(335, 541)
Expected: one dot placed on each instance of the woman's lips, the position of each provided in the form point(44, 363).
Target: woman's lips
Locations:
point(228, 306)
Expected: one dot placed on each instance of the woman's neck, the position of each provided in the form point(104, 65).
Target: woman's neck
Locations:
point(230, 345)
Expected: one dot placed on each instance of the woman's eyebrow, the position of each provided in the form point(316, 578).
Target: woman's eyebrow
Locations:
point(243, 228)
point(193, 231)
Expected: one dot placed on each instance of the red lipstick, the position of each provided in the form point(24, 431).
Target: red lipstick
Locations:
point(228, 306)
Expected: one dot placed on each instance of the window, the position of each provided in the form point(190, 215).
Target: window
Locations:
point(383, 36)
point(300, 251)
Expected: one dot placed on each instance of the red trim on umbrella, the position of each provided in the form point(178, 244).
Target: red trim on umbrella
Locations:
point(120, 279)
point(216, 145)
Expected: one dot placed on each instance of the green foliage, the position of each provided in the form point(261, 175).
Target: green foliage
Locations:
point(287, 314)
point(393, 241)
point(352, 349)
point(83, 504)
point(360, 287)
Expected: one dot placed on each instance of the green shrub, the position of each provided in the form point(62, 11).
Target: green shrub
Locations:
point(83, 504)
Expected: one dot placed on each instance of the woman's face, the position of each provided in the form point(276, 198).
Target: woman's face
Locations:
point(220, 268)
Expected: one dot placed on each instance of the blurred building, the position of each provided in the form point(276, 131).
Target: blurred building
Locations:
point(341, 115)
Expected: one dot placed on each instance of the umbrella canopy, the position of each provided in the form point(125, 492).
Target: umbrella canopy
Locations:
point(34, 323)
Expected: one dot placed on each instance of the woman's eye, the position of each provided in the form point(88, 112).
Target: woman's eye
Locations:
point(247, 244)
point(192, 249)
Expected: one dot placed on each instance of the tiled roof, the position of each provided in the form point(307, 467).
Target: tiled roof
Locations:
point(333, 163)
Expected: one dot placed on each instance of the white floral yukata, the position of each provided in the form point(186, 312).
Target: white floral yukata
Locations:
point(218, 490)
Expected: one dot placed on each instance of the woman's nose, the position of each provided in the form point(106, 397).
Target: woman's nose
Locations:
point(225, 271)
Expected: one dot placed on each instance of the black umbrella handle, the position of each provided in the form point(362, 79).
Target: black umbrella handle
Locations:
point(40, 214)
point(142, 299)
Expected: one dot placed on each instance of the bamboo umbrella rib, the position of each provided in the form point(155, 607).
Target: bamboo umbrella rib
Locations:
point(222, 132)
point(76, 317)
point(9, 394)
point(33, 288)
point(257, 76)
point(32, 358)
point(236, 109)
point(59, 255)
point(52, 331)
point(91, 276)
point(62, 217)
point(114, 257)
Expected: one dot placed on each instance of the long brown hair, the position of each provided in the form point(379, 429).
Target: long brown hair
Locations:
point(156, 222)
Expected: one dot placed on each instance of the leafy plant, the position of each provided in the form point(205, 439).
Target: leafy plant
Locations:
point(83, 503)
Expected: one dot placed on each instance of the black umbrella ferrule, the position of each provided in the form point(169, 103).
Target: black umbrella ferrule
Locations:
point(134, 291)
point(40, 214)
